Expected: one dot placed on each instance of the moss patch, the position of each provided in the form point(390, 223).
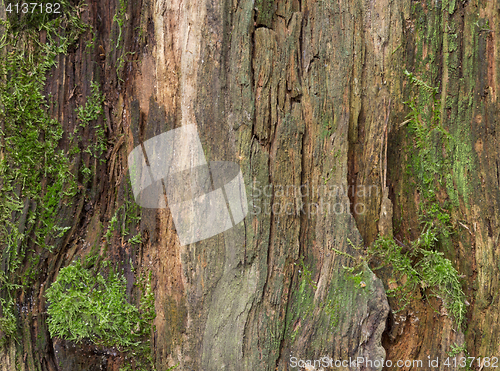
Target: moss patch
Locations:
point(36, 178)
point(418, 263)
point(87, 305)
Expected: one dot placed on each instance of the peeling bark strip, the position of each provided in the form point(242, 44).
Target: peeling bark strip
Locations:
point(295, 92)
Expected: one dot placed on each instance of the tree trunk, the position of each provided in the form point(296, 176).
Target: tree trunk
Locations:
point(307, 97)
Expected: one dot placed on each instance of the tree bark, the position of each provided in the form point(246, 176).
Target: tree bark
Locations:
point(297, 93)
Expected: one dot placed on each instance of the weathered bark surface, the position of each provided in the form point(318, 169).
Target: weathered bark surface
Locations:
point(297, 93)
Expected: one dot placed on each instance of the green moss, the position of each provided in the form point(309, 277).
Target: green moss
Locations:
point(264, 12)
point(420, 265)
point(303, 306)
point(90, 113)
point(429, 155)
point(8, 321)
point(337, 303)
point(328, 125)
point(87, 305)
point(119, 20)
point(93, 106)
point(463, 163)
point(112, 226)
point(36, 177)
point(125, 217)
point(456, 350)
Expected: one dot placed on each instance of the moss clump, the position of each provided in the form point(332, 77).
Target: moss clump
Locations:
point(85, 305)
point(422, 267)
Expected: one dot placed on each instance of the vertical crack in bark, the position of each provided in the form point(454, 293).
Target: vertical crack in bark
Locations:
point(302, 217)
point(254, 119)
point(269, 164)
point(498, 173)
point(351, 174)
